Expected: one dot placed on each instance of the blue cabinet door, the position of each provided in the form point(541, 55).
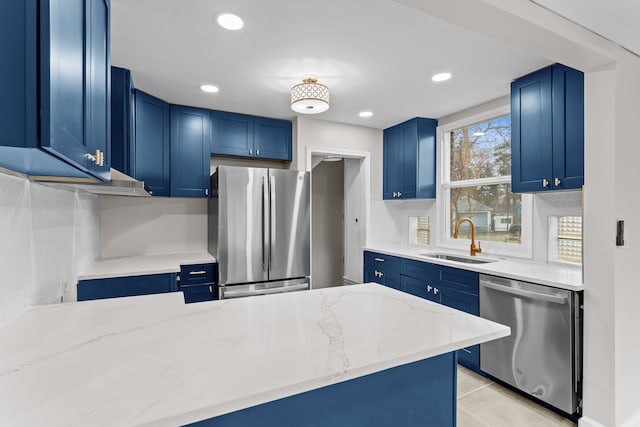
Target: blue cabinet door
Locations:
point(53, 69)
point(391, 163)
point(62, 80)
point(272, 139)
point(426, 166)
point(190, 148)
point(531, 132)
point(568, 128)
point(409, 160)
point(122, 120)
point(151, 154)
point(421, 288)
point(116, 287)
point(232, 134)
point(98, 89)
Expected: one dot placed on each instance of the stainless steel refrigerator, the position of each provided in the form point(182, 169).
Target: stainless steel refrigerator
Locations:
point(259, 230)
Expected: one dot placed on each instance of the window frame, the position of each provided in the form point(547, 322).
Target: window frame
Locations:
point(443, 184)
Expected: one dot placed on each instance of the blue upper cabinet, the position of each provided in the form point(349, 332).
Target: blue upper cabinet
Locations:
point(151, 153)
point(249, 136)
point(232, 134)
point(190, 148)
point(55, 86)
point(409, 160)
point(547, 130)
point(122, 120)
point(272, 138)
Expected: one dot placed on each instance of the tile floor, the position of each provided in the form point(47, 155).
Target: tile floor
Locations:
point(483, 403)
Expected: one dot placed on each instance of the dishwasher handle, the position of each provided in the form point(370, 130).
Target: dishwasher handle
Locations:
point(556, 299)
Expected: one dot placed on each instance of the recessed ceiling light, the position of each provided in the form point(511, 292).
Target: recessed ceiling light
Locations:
point(366, 114)
point(478, 134)
point(209, 88)
point(440, 77)
point(230, 21)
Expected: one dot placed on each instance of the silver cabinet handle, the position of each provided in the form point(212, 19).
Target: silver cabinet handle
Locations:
point(197, 273)
point(435, 291)
point(557, 182)
point(429, 288)
point(251, 151)
point(395, 194)
point(545, 183)
point(399, 194)
point(257, 152)
point(379, 259)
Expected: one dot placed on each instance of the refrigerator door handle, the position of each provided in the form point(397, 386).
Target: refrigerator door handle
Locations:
point(265, 224)
point(272, 214)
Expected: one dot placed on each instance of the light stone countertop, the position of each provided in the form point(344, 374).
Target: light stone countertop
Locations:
point(143, 265)
point(152, 360)
point(556, 275)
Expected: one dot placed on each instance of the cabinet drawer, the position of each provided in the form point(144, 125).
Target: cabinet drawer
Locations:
point(420, 288)
point(126, 286)
point(417, 269)
point(469, 303)
point(194, 274)
point(199, 293)
point(470, 357)
point(386, 263)
point(454, 278)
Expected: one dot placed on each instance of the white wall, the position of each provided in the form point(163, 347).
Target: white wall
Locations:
point(318, 133)
point(47, 235)
point(327, 235)
point(153, 225)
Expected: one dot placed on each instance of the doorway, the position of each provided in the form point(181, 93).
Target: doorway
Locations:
point(340, 212)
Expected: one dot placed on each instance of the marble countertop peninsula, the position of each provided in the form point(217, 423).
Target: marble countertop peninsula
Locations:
point(152, 360)
point(556, 275)
point(142, 265)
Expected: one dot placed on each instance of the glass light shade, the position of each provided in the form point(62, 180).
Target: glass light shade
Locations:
point(310, 97)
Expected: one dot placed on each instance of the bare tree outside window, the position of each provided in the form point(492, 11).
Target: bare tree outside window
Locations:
point(480, 181)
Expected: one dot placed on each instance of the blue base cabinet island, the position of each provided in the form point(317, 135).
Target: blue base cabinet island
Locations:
point(547, 130)
point(453, 287)
point(55, 88)
point(421, 393)
point(116, 287)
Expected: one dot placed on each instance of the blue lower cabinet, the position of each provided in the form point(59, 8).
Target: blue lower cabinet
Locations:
point(469, 357)
point(115, 287)
point(198, 282)
point(421, 393)
point(199, 293)
point(420, 288)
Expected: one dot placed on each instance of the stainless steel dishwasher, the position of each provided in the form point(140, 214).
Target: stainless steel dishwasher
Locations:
point(542, 356)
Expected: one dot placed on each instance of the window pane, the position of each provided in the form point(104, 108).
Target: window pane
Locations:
point(482, 150)
point(494, 209)
point(569, 238)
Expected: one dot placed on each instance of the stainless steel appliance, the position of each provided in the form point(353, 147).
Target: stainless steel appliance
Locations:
point(543, 354)
point(259, 230)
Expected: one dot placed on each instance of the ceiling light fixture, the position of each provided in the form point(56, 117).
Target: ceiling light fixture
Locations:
point(209, 88)
point(229, 21)
point(365, 114)
point(310, 97)
point(440, 77)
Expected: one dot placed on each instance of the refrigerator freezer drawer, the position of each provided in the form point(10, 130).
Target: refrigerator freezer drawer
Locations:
point(265, 288)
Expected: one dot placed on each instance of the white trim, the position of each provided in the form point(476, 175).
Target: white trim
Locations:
point(588, 422)
point(525, 249)
point(365, 201)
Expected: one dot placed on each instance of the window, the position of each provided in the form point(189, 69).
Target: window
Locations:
point(476, 184)
point(565, 239)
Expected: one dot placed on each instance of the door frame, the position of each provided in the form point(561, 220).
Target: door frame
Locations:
point(365, 196)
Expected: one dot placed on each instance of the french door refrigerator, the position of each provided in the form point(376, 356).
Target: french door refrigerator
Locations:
point(259, 230)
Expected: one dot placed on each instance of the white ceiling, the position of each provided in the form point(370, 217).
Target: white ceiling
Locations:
point(618, 21)
point(374, 55)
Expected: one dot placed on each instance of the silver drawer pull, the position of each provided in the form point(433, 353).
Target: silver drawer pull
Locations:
point(379, 259)
point(197, 273)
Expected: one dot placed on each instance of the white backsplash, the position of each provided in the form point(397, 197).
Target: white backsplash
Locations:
point(46, 236)
point(134, 226)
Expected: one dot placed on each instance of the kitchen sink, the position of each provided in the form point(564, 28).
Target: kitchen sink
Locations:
point(458, 258)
